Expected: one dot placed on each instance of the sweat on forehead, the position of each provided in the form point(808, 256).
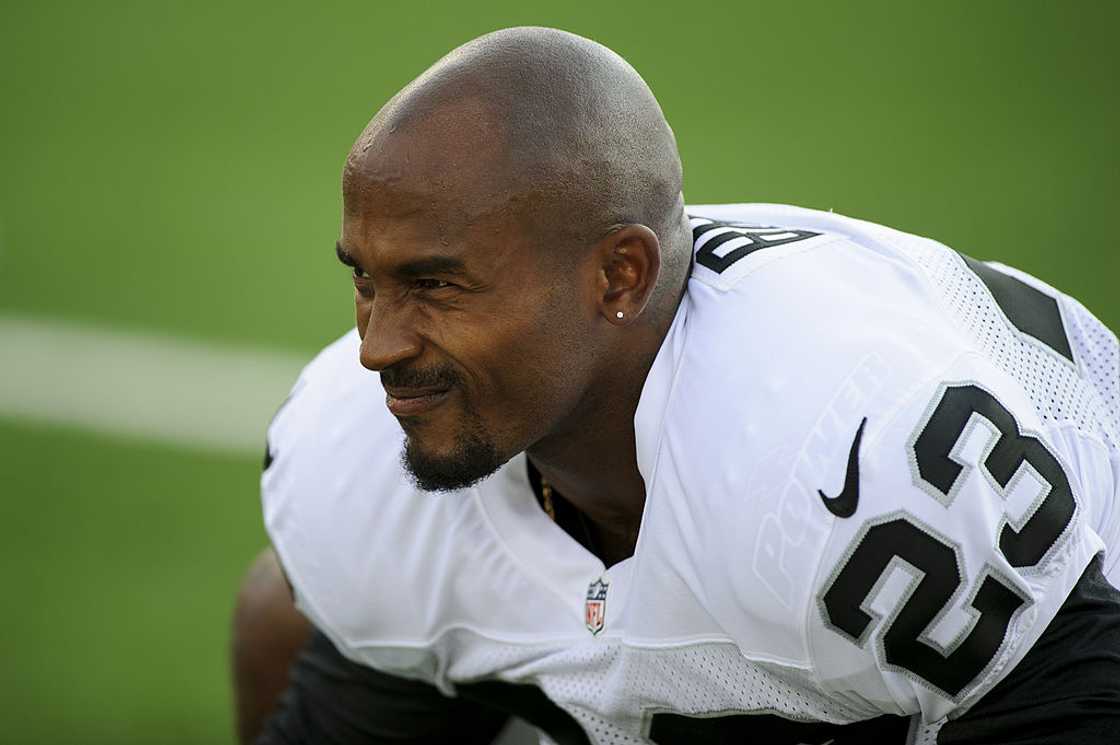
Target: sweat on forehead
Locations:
point(538, 120)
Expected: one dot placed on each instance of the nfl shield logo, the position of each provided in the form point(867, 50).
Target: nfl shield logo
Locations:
point(595, 609)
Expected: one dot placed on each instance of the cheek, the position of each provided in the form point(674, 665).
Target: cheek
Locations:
point(501, 358)
point(536, 372)
point(525, 354)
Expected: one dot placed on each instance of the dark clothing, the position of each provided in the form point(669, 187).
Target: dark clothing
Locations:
point(1067, 689)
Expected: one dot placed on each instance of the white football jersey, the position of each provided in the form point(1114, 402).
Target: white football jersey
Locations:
point(874, 470)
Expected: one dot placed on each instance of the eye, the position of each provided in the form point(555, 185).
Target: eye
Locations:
point(428, 283)
point(362, 283)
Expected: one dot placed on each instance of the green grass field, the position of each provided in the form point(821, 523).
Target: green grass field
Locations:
point(172, 168)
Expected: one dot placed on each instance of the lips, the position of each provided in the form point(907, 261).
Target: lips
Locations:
point(414, 401)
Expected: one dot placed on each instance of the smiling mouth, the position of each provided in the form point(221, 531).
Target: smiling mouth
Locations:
point(404, 402)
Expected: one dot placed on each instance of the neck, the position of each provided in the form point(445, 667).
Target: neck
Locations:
point(591, 457)
point(597, 473)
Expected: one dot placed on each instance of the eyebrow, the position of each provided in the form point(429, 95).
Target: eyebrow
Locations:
point(431, 265)
point(411, 269)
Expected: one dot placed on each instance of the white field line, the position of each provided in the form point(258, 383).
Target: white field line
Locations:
point(156, 388)
point(141, 386)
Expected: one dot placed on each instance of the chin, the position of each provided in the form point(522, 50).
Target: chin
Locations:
point(470, 459)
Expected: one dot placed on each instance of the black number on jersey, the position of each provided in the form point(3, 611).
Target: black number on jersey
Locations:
point(677, 729)
point(900, 541)
point(936, 581)
point(530, 704)
point(714, 255)
point(1029, 544)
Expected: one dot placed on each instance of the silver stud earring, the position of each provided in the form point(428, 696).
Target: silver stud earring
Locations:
point(618, 314)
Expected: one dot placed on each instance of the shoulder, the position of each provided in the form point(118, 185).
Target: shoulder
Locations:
point(333, 418)
point(364, 547)
point(906, 543)
point(732, 241)
point(340, 510)
point(818, 322)
point(804, 292)
point(827, 370)
point(332, 383)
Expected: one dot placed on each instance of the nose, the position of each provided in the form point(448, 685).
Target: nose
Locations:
point(388, 337)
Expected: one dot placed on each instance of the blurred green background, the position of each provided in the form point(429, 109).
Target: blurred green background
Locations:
point(171, 169)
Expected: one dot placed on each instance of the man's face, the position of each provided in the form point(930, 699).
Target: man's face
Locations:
point(471, 329)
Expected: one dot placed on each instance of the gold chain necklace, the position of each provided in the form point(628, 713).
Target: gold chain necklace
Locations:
point(546, 499)
point(549, 506)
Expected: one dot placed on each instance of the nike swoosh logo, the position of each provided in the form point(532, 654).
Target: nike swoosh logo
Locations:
point(844, 504)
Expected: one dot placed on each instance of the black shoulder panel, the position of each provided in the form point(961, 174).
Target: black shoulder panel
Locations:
point(1030, 310)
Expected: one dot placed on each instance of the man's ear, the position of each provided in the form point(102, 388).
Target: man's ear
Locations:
point(629, 264)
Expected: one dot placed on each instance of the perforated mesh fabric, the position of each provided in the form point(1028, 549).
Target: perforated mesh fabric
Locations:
point(1060, 391)
point(716, 677)
point(924, 734)
point(612, 689)
point(1099, 355)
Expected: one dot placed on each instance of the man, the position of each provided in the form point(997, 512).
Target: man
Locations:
point(741, 473)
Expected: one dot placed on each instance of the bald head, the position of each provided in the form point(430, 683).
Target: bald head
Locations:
point(516, 228)
point(552, 129)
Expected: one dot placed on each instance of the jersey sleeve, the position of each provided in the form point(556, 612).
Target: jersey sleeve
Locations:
point(388, 573)
point(297, 454)
point(966, 533)
point(331, 488)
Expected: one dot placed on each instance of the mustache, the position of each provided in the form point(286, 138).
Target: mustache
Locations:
point(438, 376)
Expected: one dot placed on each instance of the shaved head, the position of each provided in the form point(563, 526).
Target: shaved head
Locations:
point(568, 137)
point(516, 227)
